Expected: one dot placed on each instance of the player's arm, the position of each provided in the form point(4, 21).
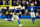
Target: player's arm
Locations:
point(10, 13)
point(28, 6)
point(20, 12)
point(35, 6)
point(15, 11)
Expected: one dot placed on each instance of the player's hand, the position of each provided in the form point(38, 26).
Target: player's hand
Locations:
point(10, 14)
point(15, 13)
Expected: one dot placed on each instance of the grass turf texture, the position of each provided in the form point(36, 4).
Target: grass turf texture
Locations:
point(25, 22)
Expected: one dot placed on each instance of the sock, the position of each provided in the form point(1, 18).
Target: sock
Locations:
point(8, 20)
point(33, 20)
point(18, 21)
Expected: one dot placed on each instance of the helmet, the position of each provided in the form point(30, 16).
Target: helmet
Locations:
point(32, 4)
point(19, 6)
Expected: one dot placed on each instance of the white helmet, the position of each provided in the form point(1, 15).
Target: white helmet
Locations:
point(19, 6)
point(32, 4)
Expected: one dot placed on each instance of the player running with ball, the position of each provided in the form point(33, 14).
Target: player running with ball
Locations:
point(18, 10)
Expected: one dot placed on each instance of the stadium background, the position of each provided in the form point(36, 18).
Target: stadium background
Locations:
point(8, 6)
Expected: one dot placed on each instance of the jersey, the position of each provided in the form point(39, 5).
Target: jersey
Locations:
point(17, 11)
point(32, 9)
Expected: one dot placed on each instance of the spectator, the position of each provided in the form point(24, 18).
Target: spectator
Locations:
point(39, 2)
point(37, 14)
point(19, 2)
point(8, 2)
point(4, 2)
point(0, 2)
point(27, 2)
point(6, 14)
point(32, 1)
point(23, 3)
point(35, 2)
point(14, 3)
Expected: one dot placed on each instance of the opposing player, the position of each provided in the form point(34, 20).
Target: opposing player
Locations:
point(18, 10)
point(32, 13)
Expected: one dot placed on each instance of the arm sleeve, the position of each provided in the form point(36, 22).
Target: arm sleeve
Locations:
point(20, 10)
point(15, 10)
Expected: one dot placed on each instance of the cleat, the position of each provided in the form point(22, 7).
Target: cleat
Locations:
point(5, 19)
point(20, 25)
point(11, 21)
point(33, 23)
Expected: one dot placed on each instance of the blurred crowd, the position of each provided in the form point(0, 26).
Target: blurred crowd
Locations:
point(24, 12)
point(25, 2)
point(21, 2)
point(4, 2)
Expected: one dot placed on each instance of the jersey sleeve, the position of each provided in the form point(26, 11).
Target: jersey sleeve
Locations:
point(34, 6)
point(20, 10)
point(15, 10)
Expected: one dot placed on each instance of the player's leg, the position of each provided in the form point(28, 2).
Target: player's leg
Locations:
point(7, 19)
point(32, 17)
point(12, 19)
point(33, 20)
point(18, 20)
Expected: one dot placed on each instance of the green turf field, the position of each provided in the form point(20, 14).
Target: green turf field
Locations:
point(25, 22)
